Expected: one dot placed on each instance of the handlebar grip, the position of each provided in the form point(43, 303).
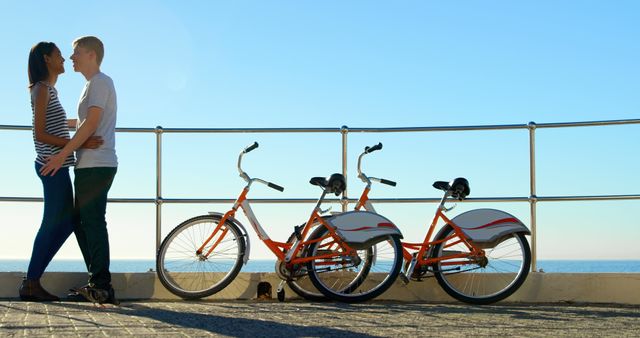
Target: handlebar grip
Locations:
point(387, 182)
point(251, 147)
point(373, 148)
point(275, 186)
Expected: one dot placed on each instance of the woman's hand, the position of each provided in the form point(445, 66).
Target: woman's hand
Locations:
point(92, 142)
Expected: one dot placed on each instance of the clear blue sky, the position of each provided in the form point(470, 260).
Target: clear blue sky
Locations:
point(356, 63)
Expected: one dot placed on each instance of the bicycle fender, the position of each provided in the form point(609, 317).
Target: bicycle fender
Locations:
point(237, 223)
point(362, 228)
point(488, 227)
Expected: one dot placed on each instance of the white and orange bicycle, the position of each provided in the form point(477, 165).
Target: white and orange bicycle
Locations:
point(480, 256)
point(349, 257)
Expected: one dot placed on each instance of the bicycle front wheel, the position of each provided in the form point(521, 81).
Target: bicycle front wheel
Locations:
point(190, 274)
point(481, 280)
point(304, 287)
point(353, 279)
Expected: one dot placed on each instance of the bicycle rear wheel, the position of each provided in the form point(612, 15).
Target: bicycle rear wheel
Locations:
point(354, 279)
point(190, 275)
point(486, 280)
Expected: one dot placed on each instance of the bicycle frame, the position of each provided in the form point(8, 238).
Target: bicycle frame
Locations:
point(467, 242)
point(284, 251)
point(420, 250)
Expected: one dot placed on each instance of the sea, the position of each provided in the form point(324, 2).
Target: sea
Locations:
point(266, 265)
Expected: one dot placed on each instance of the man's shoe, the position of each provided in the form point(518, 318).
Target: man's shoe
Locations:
point(31, 290)
point(111, 299)
point(97, 295)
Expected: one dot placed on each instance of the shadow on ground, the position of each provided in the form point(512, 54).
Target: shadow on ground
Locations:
point(222, 325)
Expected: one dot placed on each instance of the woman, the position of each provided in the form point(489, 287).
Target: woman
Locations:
point(50, 135)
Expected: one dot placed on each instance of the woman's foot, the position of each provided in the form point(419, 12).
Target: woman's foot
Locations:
point(31, 290)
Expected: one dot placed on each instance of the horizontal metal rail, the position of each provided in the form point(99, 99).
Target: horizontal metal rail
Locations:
point(359, 130)
point(588, 198)
point(350, 200)
point(532, 199)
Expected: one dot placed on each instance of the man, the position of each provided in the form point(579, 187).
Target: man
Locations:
point(95, 168)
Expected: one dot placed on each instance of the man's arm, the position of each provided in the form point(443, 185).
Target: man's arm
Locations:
point(40, 119)
point(87, 128)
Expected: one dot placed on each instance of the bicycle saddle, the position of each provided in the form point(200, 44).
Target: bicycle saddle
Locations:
point(319, 181)
point(441, 185)
point(335, 184)
point(459, 187)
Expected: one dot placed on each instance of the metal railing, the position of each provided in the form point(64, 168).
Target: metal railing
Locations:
point(533, 198)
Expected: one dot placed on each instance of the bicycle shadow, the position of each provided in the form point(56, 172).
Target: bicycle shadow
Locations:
point(537, 311)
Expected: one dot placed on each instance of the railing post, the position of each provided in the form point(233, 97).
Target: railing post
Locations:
point(345, 200)
point(158, 132)
point(533, 199)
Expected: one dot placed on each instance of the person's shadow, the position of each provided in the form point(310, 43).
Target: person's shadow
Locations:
point(228, 326)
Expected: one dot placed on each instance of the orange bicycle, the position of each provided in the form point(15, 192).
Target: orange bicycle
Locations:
point(481, 256)
point(349, 257)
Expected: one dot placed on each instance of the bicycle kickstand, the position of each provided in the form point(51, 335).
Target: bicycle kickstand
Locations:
point(280, 291)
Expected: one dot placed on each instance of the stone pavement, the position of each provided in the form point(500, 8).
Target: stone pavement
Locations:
point(302, 319)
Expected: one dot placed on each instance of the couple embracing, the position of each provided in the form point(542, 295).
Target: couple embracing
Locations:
point(81, 208)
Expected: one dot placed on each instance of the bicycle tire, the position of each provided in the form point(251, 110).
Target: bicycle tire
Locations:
point(505, 270)
point(304, 287)
point(344, 284)
point(189, 276)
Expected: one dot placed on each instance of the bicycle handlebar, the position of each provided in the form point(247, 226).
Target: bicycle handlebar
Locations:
point(251, 147)
point(364, 177)
point(367, 150)
point(373, 148)
point(388, 182)
point(275, 186)
point(249, 179)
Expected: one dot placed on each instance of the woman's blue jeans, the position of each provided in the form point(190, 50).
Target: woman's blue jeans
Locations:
point(57, 220)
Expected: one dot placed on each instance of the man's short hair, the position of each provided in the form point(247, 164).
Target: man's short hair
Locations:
point(91, 43)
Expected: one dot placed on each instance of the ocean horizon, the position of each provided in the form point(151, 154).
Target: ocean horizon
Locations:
point(267, 265)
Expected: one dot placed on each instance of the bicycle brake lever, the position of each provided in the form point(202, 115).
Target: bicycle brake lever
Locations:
point(445, 209)
point(325, 211)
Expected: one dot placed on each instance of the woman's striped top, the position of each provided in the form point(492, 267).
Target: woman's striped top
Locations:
point(56, 125)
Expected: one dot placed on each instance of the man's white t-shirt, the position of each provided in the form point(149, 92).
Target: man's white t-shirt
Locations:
point(99, 92)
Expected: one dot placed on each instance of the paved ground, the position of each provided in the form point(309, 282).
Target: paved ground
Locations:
point(301, 319)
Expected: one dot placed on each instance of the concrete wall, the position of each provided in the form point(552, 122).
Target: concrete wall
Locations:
point(621, 288)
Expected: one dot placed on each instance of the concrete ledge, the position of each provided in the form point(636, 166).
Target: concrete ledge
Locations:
point(618, 288)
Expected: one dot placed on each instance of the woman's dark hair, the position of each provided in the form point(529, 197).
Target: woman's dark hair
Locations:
point(37, 67)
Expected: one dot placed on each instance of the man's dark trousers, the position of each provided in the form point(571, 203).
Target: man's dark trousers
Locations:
point(91, 187)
